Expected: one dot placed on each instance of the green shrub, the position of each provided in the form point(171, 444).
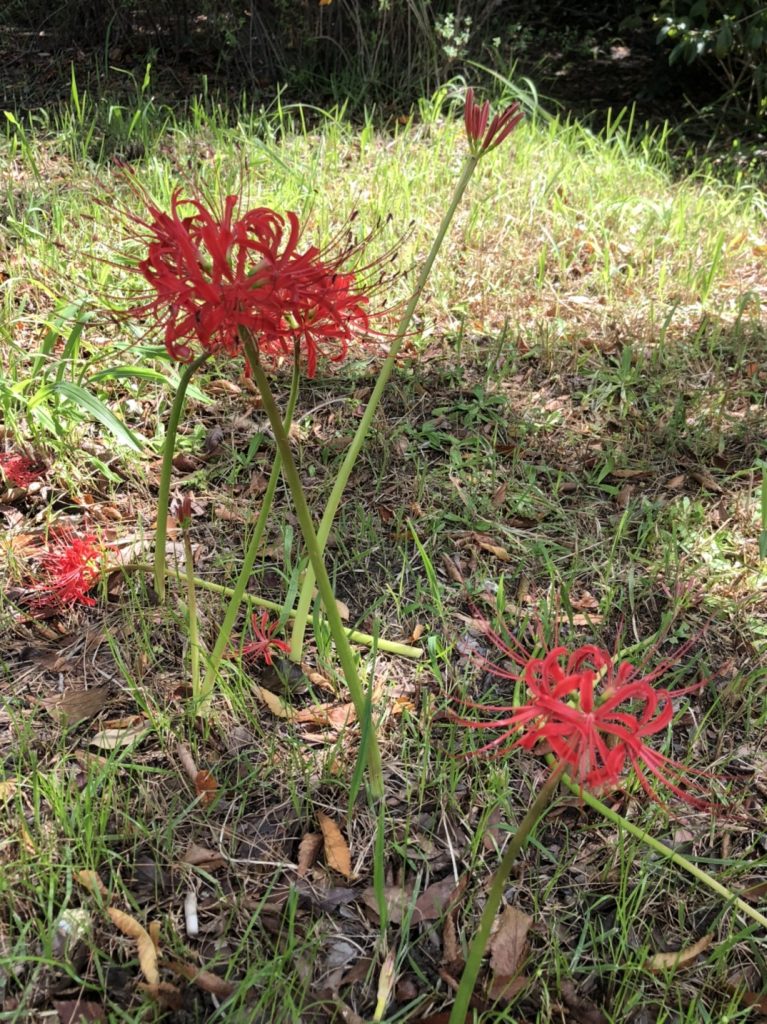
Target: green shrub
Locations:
point(729, 36)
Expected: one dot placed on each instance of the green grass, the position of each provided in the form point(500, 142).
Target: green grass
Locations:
point(576, 430)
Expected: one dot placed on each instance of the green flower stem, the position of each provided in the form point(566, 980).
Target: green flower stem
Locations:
point(238, 592)
point(161, 530)
point(343, 648)
point(323, 531)
point(354, 635)
point(655, 844)
point(468, 980)
point(194, 629)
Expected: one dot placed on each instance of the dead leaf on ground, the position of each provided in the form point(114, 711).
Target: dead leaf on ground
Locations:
point(205, 980)
point(78, 1011)
point(439, 898)
point(75, 706)
point(278, 707)
point(584, 1010)
point(7, 789)
point(337, 853)
point(201, 857)
point(147, 951)
point(704, 478)
point(505, 988)
point(628, 474)
point(90, 880)
point(398, 901)
point(508, 942)
point(496, 550)
point(682, 958)
point(308, 851)
point(206, 787)
point(677, 482)
point(112, 738)
point(332, 716)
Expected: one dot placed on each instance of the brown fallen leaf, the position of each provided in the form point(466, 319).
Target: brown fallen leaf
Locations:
point(677, 482)
point(206, 787)
point(79, 1011)
point(583, 1009)
point(90, 880)
point(7, 789)
point(147, 951)
point(336, 848)
point(167, 996)
point(681, 958)
point(500, 495)
point(201, 857)
point(508, 941)
point(704, 478)
point(493, 549)
point(278, 707)
point(623, 497)
point(308, 851)
point(398, 901)
point(439, 898)
point(205, 980)
point(504, 988)
point(111, 739)
point(75, 706)
point(331, 716)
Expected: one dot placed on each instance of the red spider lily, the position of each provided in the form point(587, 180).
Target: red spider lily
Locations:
point(216, 276)
point(264, 643)
point(71, 566)
point(594, 716)
point(18, 470)
point(483, 137)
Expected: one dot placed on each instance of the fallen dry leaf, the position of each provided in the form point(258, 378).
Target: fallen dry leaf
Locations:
point(7, 789)
point(336, 848)
point(704, 478)
point(111, 739)
point(90, 880)
point(79, 1011)
point(493, 549)
point(505, 988)
point(147, 951)
point(201, 857)
point(677, 482)
point(508, 941)
point(206, 787)
point(205, 980)
point(308, 851)
point(75, 706)
point(682, 958)
point(398, 901)
point(333, 716)
point(439, 898)
point(278, 707)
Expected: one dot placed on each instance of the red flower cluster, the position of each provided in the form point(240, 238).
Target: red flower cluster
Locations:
point(594, 716)
point(71, 566)
point(18, 470)
point(216, 276)
point(483, 138)
point(264, 643)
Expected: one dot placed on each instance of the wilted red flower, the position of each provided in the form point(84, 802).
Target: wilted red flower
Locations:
point(71, 565)
point(264, 642)
point(216, 276)
point(483, 138)
point(18, 470)
point(594, 716)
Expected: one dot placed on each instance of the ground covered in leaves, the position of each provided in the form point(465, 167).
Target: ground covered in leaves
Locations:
point(572, 447)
